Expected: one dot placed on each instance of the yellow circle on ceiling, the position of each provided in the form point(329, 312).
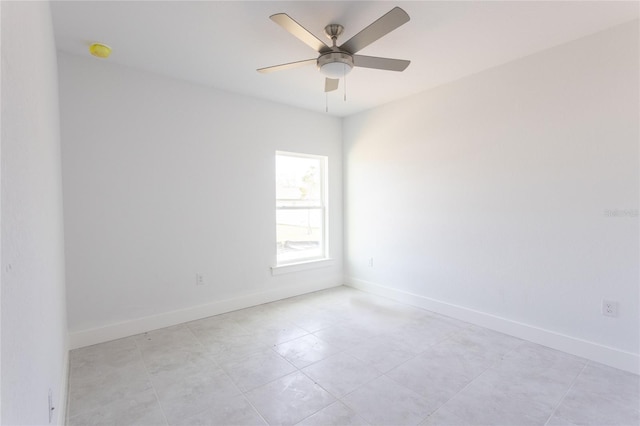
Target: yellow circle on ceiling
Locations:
point(100, 50)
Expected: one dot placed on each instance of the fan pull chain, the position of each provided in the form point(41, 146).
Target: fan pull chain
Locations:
point(326, 102)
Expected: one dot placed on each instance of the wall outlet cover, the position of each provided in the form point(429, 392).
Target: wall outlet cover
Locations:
point(199, 279)
point(609, 308)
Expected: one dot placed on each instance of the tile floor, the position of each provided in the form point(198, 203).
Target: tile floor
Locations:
point(341, 357)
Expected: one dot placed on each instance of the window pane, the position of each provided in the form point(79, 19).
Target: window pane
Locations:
point(298, 180)
point(299, 234)
point(300, 207)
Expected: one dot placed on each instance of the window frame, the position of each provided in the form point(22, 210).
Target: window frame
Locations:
point(310, 261)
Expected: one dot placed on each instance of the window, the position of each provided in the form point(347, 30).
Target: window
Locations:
point(301, 208)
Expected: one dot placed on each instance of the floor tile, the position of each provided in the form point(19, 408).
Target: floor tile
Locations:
point(257, 316)
point(178, 336)
point(278, 332)
point(451, 321)
point(558, 421)
point(373, 320)
point(384, 402)
point(234, 346)
point(105, 373)
point(97, 360)
point(585, 408)
point(444, 417)
point(610, 383)
point(336, 414)
point(305, 350)
point(235, 410)
point(543, 390)
point(312, 321)
point(537, 364)
point(187, 391)
point(530, 358)
point(216, 326)
point(426, 331)
point(289, 399)
point(341, 373)
point(440, 372)
point(166, 374)
point(140, 409)
point(157, 358)
point(211, 382)
point(533, 372)
point(342, 337)
point(257, 369)
point(480, 404)
point(486, 343)
point(91, 392)
point(384, 352)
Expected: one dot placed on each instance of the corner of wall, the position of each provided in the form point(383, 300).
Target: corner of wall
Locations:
point(62, 407)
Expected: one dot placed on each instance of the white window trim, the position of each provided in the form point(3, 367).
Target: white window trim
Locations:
point(315, 262)
point(302, 266)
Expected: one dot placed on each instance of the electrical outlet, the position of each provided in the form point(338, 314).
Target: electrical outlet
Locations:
point(609, 308)
point(199, 279)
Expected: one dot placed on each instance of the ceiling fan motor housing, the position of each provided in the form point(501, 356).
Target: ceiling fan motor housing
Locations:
point(333, 31)
point(335, 64)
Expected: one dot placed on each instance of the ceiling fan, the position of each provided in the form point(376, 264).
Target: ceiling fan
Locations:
point(337, 61)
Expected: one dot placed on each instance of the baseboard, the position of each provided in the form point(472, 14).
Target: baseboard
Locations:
point(603, 354)
point(115, 331)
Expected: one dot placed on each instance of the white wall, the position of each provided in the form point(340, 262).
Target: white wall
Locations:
point(34, 340)
point(486, 198)
point(164, 179)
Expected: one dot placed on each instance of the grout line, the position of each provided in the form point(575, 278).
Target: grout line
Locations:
point(245, 390)
point(254, 407)
point(573, 382)
point(489, 367)
point(336, 399)
point(212, 357)
point(155, 392)
point(297, 370)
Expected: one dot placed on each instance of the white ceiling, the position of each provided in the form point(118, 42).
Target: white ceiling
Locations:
point(221, 44)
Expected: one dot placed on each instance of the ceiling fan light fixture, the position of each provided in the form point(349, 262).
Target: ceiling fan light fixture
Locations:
point(335, 64)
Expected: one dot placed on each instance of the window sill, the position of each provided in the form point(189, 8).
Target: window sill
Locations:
point(302, 266)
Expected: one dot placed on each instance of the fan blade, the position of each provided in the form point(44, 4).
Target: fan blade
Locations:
point(286, 22)
point(380, 63)
point(331, 84)
point(383, 26)
point(287, 66)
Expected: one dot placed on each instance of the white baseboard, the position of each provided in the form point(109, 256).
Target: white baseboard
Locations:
point(603, 354)
point(82, 338)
